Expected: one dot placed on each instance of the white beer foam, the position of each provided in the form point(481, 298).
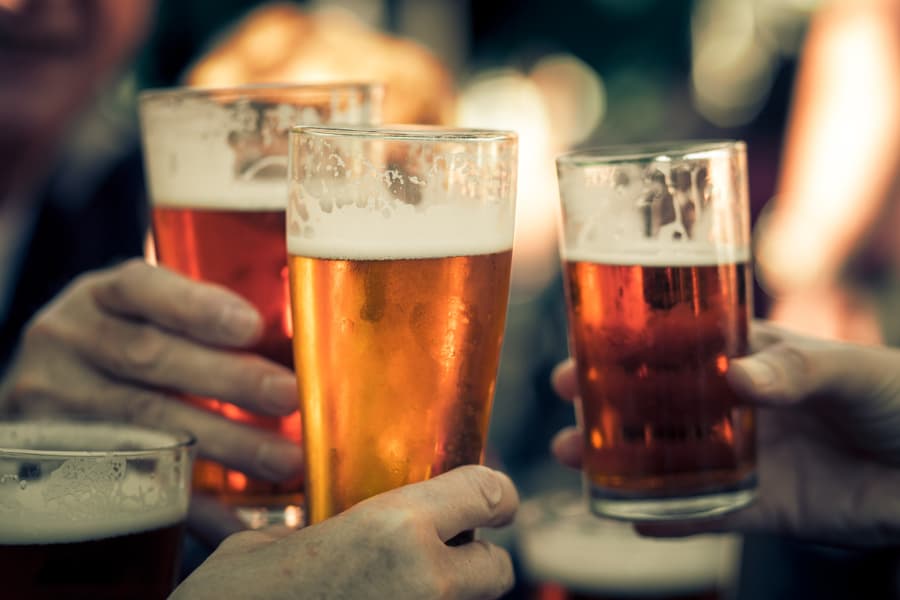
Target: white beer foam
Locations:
point(236, 196)
point(357, 233)
point(587, 554)
point(85, 497)
point(33, 521)
point(362, 220)
point(654, 254)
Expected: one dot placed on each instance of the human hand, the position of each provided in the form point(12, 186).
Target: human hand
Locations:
point(829, 440)
point(389, 546)
point(124, 343)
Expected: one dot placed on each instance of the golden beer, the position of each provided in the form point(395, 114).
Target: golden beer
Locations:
point(400, 248)
point(398, 360)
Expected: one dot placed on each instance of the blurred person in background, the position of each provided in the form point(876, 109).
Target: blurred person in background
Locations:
point(118, 342)
point(827, 250)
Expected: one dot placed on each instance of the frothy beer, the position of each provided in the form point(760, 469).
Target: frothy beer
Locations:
point(654, 336)
point(566, 554)
point(217, 165)
point(90, 526)
point(400, 246)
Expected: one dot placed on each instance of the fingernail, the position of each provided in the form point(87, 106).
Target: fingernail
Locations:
point(761, 373)
point(279, 460)
point(280, 393)
point(240, 322)
point(492, 487)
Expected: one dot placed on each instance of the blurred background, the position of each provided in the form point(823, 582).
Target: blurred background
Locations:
point(569, 74)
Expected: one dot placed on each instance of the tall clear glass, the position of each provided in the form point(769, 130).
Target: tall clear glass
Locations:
point(91, 510)
point(217, 168)
point(399, 244)
point(656, 249)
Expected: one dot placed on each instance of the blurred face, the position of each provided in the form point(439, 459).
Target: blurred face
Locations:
point(53, 56)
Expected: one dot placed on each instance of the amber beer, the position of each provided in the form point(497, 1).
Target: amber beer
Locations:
point(653, 343)
point(237, 243)
point(399, 357)
point(216, 161)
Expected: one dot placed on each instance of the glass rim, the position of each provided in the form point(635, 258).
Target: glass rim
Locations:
point(179, 439)
point(188, 91)
point(412, 133)
point(650, 152)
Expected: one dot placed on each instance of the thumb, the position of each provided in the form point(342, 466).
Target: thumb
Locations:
point(802, 369)
point(855, 388)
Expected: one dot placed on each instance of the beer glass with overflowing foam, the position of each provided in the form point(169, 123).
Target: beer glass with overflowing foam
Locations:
point(399, 246)
point(217, 166)
point(656, 251)
point(91, 510)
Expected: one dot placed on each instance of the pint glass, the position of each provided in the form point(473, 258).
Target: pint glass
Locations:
point(91, 510)
point(399, 246)
point(217, 167)
point(656, 252)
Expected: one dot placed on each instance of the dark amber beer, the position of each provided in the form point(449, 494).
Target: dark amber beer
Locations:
point(656, 253)
point(400, 247)
point(91, 510)
point(217, 165)
point(653, 345)
point(139, 565)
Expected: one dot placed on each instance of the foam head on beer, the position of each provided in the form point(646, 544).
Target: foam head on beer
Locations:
point(227, 148)
point(399, 193)
point(560, 543)
point(91, 509)
point(93, 493)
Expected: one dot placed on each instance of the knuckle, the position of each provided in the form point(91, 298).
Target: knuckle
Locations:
point(145, 349)
point(484, 485)
point(240, 541)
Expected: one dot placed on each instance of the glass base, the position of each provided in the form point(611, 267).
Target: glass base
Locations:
point(604, 503)
point(258, 517)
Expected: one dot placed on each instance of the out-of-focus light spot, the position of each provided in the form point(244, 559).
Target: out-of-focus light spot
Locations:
point(596, 438)
point(722, 363)
point(237, 481)
point(293, 516)
point(732, 69)
point(506, 99)
point(574, 95)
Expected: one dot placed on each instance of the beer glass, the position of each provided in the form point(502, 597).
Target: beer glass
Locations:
point(656, 250)
point(566, 554)
point(399, 244)
point(217, 167)
point(91, 510)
